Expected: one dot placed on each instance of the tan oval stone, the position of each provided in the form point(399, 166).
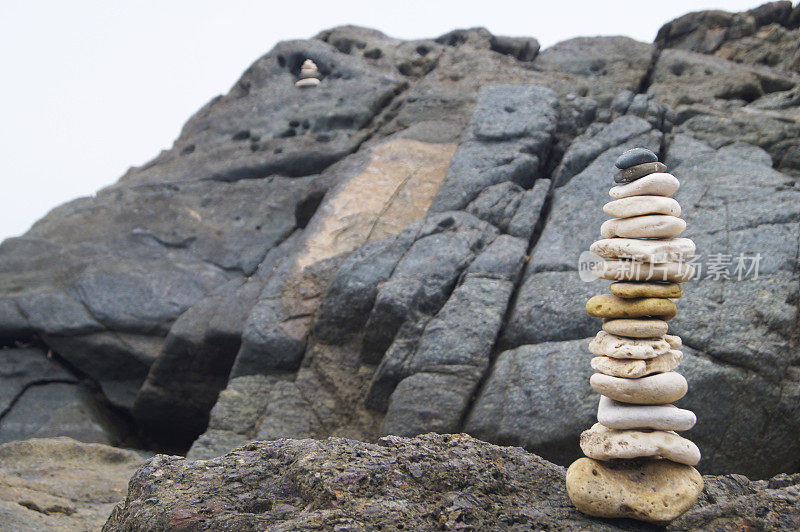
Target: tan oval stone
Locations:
point(633, 289)
point(616, 415)
point(632, 368)
point(648, 226)
point(658, 389)
point(603, 443)
point(656, 491)
point(636, 328)
point(647, 251)
point(611, 306)
point(641, 205)
point(657, 184)
point(628, 270)
point(610, 345)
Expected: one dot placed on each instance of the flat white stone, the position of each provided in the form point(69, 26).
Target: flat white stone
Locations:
point(306, 83)
point(616, 415)
point(649, 251)
point(636, 327)
point(614, 346)
point(648, 226)
point(626, 270)
point(658, 389)
point(656, 184)
point(634, 368)
point(641, 205)
point(603, 443)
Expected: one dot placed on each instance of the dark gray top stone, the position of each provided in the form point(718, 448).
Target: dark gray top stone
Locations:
point(634, 157)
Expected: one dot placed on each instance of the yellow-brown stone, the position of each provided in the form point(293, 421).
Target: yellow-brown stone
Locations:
point(611, 306)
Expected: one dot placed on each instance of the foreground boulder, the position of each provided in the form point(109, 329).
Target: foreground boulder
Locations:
point(431, 482)
point(61, 484)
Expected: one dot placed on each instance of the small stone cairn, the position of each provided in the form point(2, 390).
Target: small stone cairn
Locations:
point(636, 464)
point(309, 75)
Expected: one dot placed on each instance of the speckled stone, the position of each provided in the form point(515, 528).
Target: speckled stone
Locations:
point(634, 368)
point(636, 328)
point(656, 491)
point(645, 251)
point(658, 389)
point(647, 226)
point(611, 306)
point(635, 156)
point(632, 289)
point(603, 443)
point(674, 341)
point(626, 270)
point(611, 345)
point(640, 170)
point(642, 205)
point(616, 415)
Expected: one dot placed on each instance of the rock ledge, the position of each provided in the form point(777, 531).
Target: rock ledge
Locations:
point(431, 482)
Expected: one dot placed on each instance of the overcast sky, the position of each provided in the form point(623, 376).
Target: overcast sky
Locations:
point(90, 88)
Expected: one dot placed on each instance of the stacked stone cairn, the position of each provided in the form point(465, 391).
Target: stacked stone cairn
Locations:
point(636, 464)
point(309, 75)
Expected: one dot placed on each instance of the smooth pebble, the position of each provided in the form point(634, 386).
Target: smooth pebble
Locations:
point(635, 156)
point(611, 306)
point(636, 328)
point(657, 389)
point(647, 226)
point(645, 289)
point(657, 184)
point(641, 205)
point(616, 415)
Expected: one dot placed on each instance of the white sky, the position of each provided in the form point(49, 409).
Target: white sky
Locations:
point(89, 88)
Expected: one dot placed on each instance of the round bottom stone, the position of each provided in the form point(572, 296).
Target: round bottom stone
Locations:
point(656, 491)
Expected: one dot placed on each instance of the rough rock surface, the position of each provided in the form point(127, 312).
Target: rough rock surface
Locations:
point(431, 482)
point(61, 484)
point(395, 251)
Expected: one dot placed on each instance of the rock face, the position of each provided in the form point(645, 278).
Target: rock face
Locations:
point(395, 250)
point(41, 398)
point(431, 482)
point(61, 484)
